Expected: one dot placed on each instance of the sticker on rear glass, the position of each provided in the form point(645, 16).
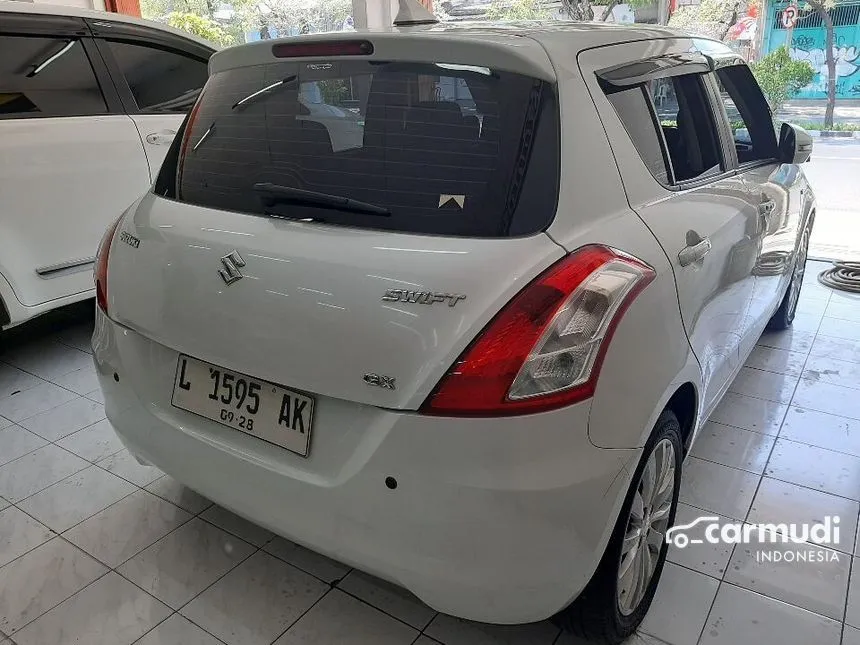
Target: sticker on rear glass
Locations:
point(444, 200)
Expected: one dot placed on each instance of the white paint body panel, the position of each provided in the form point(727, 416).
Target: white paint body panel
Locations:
point(157, 132)
point(499, 520)
point(63, 181)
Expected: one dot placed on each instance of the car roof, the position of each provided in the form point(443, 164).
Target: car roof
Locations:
point(524, 47)
point(15, 6)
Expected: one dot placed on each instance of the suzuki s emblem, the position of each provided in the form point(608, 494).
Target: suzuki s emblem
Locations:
point(232, 263)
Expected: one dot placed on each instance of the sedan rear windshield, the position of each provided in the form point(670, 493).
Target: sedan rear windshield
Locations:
point(433, 148)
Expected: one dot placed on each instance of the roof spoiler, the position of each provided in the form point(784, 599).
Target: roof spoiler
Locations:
point(413, 13)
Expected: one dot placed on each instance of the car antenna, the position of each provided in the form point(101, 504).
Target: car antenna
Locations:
point(413, 13)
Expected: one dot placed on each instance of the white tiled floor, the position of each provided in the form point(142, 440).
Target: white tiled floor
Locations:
point(97, 549)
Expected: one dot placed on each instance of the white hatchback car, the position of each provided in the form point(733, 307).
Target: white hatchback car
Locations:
point(89, 105)
point(470, 354)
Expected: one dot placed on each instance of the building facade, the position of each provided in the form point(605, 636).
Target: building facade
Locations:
point(807, 42)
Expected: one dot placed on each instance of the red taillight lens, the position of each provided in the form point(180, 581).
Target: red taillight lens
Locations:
point(100, 273)
point(323, 49)
point(545, 348)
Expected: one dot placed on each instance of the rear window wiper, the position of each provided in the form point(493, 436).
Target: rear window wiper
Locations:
point(272, 194)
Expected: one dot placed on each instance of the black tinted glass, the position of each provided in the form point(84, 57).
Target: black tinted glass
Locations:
point(671, 115)
point(748, 113)
point(446, 149)
point(632, 106)
point(47, 77)
point(160, 80)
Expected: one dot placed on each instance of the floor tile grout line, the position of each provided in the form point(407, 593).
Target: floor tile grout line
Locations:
point(847, 595)
point(63, 533)
point(784, 602)
point(303, 614)
point(176, 613)
point(336, 585)
point(80, 396)
point(89, 584)
point(782, 423)
point(755, 494)
point(89, 463)
point(44, 381)
point(814, 445)
point(254, 552)
point(765, 475)
point(76, 523)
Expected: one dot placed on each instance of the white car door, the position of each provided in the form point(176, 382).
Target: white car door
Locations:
point(71, 159)
point(654, 99)
point(159, 76)
point(778, 191)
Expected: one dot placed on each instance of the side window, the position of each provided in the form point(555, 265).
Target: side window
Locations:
point(42, 76)
point(160, 80)
point(748, 114)
point(670, 118)
point(633, 107)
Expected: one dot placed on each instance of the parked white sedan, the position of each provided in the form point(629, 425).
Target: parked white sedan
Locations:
point(470, 354)
point(89, 105)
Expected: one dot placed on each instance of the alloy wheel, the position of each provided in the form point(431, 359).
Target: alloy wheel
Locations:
point(797, 278)
point(646, 527)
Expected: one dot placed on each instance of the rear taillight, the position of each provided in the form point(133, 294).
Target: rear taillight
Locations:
point(100, 273)
point(545, 348)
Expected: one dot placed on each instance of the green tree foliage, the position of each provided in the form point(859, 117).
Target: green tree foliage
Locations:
point(611, 4)
point(711, 18)
point(780, 77)
point(199, 26)
point(518, 10)
point(303, 16)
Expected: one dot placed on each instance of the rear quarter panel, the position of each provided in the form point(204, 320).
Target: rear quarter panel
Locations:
point(649, 357)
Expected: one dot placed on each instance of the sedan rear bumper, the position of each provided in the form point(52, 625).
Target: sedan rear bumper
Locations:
point(496, 520)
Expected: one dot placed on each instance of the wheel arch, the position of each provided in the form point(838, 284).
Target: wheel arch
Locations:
point(684, 403)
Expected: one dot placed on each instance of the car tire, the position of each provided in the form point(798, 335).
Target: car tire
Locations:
point(784, 315)
point(602, 613)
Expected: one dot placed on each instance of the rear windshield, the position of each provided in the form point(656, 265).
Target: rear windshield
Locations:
point(441, 148)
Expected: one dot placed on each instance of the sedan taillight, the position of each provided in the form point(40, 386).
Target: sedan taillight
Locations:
point(545, 348)
point(100, 273)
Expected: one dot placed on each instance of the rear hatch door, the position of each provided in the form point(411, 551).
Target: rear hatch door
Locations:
point(345, 225)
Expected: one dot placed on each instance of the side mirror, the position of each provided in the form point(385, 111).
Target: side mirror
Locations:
point(795, 144)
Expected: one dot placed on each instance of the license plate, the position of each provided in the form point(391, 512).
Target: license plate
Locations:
point(259, 408)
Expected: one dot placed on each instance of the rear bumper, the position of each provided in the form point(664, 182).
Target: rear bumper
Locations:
point(496, 520)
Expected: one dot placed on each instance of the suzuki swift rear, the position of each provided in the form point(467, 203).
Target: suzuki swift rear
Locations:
point(387, 299)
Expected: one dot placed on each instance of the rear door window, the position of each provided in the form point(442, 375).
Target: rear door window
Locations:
point(671, 123)
point(47, 76)
point(442, 149)
point(160, 80)
point(748, 114)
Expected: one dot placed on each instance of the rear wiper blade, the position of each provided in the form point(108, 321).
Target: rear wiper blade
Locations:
point(260, 92)
point(272, 194)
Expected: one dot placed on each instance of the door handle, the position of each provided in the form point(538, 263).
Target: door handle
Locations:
point(694, 252)
point(165, 137)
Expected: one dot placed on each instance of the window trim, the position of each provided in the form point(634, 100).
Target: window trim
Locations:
point(45, 25)
point(123, 89)
point(720, 112)
point(662, 66)
point(727, 170)
point(103, 80)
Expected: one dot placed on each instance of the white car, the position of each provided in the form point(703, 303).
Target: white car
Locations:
point(470, 355)
point(89, 105)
